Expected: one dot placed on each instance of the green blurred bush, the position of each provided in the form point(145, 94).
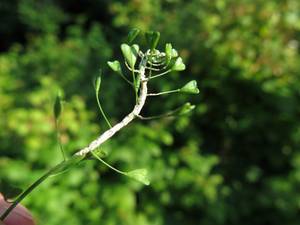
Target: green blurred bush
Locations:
point(234, 161)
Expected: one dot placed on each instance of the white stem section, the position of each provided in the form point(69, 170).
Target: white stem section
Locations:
point(127, 119)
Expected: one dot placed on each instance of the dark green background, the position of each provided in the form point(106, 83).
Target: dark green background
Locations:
point(234, 161)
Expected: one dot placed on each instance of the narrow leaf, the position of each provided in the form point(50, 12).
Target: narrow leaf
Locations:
point(140, 175)
point(97, 84)
point(57, 108)
point(137, 83)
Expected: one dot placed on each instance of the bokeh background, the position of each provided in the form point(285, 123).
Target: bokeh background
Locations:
point(235, 160)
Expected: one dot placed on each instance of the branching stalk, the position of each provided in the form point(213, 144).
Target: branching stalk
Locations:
point(161, 74)
point(101, 110)
point(163, 93)
point(127, 119)
point(124, 78)
point(106, 164)
point(168, 114)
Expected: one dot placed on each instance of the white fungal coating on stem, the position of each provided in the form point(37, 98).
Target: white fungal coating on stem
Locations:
point(127, 119)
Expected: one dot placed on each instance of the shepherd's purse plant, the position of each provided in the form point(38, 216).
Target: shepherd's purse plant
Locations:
point(142, 67)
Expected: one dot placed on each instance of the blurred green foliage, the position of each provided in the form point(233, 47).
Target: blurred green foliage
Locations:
point(234, 161)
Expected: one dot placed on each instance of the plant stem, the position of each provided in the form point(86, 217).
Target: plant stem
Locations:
point(108, 165)
point(128, 81)
point(102, 112)
point(161, 74)
point(163, 93)
point(58, 139)
point(28, 191)
point(168, 114)
point(134, 84)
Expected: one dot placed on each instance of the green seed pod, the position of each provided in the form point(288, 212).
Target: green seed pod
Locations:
point(152, 38)
point(178, 65)
point(132, 35)
point(190, 88)
point(186, 108)
point(168, 51)
point(174, 53)
point(130, 54)
point(140, 175)
point(115, 66)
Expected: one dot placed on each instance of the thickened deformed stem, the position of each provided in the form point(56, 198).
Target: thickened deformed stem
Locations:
point(127, 119)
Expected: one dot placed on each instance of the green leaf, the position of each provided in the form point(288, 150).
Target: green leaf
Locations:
point(168, 51)
point(140, 175)
point(57, 108)
point(66, 165)
point(178, 65)
point(152, 38)
point(97, 84)
point(190, 88)
point(115, 66)
point(132, 35)
point(186, 108)
point(9, 191)
point(130, 54)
